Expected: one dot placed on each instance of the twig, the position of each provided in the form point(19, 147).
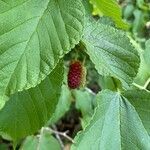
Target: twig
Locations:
point(146, 83)
point(57, 136)
point(64, 134)
point(90, 91)
point(40, 137)
point(59, 139)
point(141, 87)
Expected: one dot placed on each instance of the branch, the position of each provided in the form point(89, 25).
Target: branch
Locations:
point(64, 134)
point(144, 87)
point(90, 91)
point(58, 138)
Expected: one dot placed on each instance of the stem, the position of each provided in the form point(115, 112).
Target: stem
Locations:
point(142, 87)
point(146, 83)
point(59, 139)
point(90, 91)
point(64, 134)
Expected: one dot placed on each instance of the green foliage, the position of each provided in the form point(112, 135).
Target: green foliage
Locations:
point(85, 103)
point(111, 52)
point(115, 125)
point(28, 111)
point(111, 9)
point(44, 142)
point(34, 35)
point(108, 82)
point(30, 143)
point(139, 21)
point(137, 14)
point(140, 99)
point(147, 54)
point(62, 106)
point(144, 71)
point(3, 147)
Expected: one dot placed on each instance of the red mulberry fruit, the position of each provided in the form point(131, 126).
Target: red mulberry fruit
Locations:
point(76, 75)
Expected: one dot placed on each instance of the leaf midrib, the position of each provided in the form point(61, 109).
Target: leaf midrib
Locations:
point(40, 17)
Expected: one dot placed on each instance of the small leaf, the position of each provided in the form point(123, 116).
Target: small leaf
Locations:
point(144, 70)
point(147, 53)
point(140, 99)
point(45, 142)
point(111, 52)
point(28, 111)
point(30, 143)
point(115, 125)
point(34, 35)
point(85, 103)
point(111, 9)
point(139, 21)
point(48, 142)
point(62, 106)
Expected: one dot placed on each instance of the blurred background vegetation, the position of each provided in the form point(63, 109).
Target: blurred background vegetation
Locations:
point(75, 108)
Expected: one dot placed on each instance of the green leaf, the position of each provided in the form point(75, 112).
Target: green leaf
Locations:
point(28, 111)
point(85, 103)
point(139, 21)
point(111, 9)
point(30, 143)
point(128, 11)
point(34, 35)
point(45, 142)
point(107, 82)
point(147, 54)
point(106, 21)
point(111, 52)
point(88, 7)
point(144, 70)
point(62, 106)
point(115, 125)
point(140, 99)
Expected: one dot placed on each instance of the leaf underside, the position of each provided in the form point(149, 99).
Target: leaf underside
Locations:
point(111, 52)
point(140, 99)
point(115, 125)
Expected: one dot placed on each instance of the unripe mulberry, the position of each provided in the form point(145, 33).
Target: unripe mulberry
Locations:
point(76, 75)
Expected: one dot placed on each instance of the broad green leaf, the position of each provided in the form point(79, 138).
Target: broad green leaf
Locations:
point(140, 99)
point(111, 9)
point(115, 125)
point(84, 102)
point(45, 142)
point(62, 106)
point(28, 111)
point(111, 52)
point(34, 35)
